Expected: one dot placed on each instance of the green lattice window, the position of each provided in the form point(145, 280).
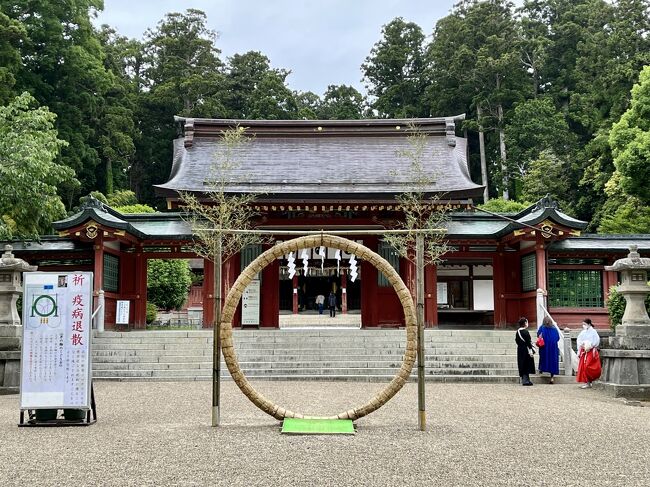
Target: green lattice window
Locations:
point(575, 289)
point(528, 273)
point(111, 273)
point(390, 254)
point(248, 255)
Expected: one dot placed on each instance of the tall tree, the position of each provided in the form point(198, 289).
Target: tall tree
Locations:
point(630, 142)
point(341, 102)
point(29, 173)
point(12, 33)
point(395, 71)
point(254, 90)
point(537, 127)
point(182, 75)
point(475, 66)
point(61, 66)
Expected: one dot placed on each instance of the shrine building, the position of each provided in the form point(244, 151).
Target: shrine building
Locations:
point(345, 175)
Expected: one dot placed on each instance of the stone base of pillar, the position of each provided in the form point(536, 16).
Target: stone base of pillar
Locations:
point(626, 373)
point(9, 372)
point(10, 359)
point(629, 343)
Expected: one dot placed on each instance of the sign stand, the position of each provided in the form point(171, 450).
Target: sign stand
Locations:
point(56, 360)
point(90, 417)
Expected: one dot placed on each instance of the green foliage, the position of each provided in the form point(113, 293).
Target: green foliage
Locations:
point(629, 216)
point(28, 147)
point(341, 103)
point(254, 90)
point(630, 142)
point(536, 127)
point(545, 175)
point(123, 197)
point(394, 70)
point(137, 208)
point(499, 205)
point(12, 33)
point(168, 283)
point(616, 307)
point(152, 312)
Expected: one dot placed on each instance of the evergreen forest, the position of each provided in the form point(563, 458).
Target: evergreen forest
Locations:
point(556, 95)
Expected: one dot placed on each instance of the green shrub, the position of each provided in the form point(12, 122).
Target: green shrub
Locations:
point(499, 205)
point(152, 312)
point(616, 307)
point(168, 282)
point(136, 208)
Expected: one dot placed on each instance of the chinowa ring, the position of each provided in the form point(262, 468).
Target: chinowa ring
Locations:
point(263, 260)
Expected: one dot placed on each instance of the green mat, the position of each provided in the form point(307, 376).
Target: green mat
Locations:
point(294, 426)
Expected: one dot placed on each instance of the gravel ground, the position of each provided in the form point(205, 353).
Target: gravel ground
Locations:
point(478, 434)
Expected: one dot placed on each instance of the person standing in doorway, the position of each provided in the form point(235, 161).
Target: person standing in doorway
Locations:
point(320, 302)
point(331, 303)
point(525, 352)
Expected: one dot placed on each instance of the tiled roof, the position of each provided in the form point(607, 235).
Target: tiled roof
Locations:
point(354, 163)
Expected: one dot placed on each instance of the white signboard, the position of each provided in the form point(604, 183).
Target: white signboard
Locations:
point(122, 312)
point(55, 365)
point(250, 304)
point(483, 292)
point(442, 293)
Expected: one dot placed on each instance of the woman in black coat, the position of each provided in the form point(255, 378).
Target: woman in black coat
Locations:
point(525, 351)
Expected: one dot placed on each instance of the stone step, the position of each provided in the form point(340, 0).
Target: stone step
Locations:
point(494, 379)
point(366, 355)
point(154, 358)
point(357, 364)
point(333, 371)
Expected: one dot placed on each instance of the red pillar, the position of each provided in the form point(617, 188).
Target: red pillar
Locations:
point(430, 296)
point(294, 284)
point(344, 292)
point(270, 296)
point(98, 269)
point(140, 305)
point(208, 293)
point(498, 263)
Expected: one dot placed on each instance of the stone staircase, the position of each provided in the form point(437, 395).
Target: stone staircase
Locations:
point(305, 354)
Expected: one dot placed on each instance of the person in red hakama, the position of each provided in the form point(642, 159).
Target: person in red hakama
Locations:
point(589, 367)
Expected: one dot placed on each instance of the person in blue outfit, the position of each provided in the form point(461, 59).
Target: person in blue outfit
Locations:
point(549, 354)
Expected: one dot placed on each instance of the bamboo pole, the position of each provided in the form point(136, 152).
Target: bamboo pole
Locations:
point(216, 341)
point(419, 293)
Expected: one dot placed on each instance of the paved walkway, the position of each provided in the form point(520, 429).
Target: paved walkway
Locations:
point(479, 434)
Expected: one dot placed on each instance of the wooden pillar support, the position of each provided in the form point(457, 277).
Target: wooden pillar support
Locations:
point(344, 292)
point(540, 261)
point(499, 276)
point(208, 293)
point(98, 268)
point(140, 311)
point(294, 296)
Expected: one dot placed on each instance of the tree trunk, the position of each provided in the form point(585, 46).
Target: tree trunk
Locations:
point(481, 144)
point(502, 151)
point(109, 177)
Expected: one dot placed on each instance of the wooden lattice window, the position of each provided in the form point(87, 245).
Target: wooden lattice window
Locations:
point(528, 273)
point(575, 289)
point(390, 254)
point(111, 273)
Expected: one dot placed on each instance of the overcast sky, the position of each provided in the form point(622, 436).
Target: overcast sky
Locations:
point(322, 42)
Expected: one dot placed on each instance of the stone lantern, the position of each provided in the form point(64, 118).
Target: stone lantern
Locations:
point(11, 270)
point(626, 356)
point(634, 287)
